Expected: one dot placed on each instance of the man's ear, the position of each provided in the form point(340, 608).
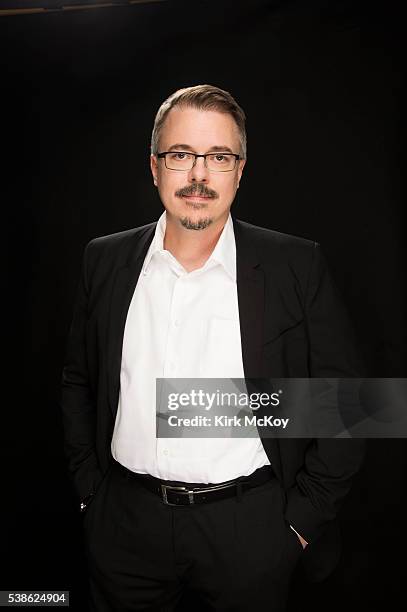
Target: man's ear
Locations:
point(242, 163)
point(154, 168)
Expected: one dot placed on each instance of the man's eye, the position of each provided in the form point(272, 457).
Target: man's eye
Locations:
point(220, 158)
point(179, 156)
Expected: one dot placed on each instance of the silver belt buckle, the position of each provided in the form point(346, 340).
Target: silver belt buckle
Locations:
point(184, 490)
point(190, 493)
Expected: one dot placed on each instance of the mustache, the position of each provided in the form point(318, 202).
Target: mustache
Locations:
point(196, 190)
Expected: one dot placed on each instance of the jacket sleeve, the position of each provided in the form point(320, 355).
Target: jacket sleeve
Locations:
point(77, 400)
point(330, 463)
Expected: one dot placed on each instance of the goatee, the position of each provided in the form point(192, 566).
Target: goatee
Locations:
point(195, 225)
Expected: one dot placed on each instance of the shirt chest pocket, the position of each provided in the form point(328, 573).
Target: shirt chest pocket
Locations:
point(221, 351)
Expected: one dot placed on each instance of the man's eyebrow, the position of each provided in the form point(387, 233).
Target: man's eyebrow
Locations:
point(222, 148)
point(180, 147)
point(185, 147)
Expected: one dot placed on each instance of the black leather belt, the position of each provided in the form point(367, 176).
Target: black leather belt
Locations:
point(176, 493)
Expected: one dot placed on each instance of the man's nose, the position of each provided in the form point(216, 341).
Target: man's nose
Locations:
point(199, 173)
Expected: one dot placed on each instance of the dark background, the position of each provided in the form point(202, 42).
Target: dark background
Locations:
point(321, 86)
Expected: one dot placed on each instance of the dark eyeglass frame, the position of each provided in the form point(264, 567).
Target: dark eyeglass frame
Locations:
point(196, 155)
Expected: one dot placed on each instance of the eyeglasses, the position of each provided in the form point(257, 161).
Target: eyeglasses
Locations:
point(214, 162)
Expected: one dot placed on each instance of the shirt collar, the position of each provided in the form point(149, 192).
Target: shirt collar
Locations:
point(224, 252)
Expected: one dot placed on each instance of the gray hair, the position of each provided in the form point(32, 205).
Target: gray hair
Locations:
point(202, 97)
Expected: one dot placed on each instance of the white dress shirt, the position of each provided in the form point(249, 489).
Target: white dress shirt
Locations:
point(181, 325)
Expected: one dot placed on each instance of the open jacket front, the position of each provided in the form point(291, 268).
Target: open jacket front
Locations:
point(293, 324)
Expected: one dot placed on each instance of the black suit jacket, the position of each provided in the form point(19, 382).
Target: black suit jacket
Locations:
point(293, 324)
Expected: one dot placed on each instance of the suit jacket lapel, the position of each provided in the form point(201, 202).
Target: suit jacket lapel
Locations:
point(251, 299)
point(123, 286)
point(250, 292)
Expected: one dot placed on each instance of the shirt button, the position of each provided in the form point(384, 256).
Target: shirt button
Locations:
point(165, 452)
point(176, 323)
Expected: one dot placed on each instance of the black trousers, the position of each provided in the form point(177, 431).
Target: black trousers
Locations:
point(233, 554)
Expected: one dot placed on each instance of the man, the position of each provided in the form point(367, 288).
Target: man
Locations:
point(201, 294)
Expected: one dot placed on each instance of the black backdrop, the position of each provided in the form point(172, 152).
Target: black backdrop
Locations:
point(321, 85)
